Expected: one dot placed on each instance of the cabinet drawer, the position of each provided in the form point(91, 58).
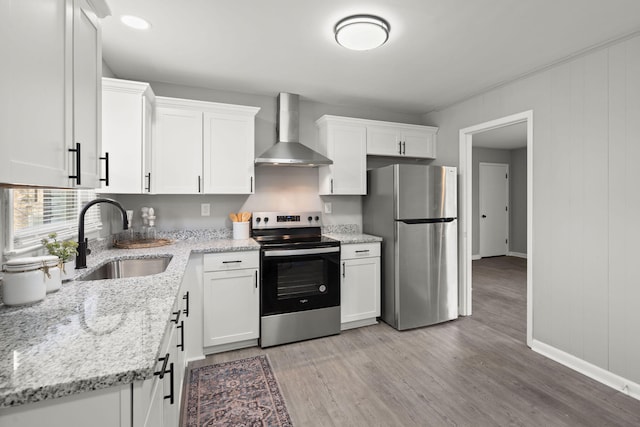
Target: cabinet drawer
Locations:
point(231, 260)
point(360, 250)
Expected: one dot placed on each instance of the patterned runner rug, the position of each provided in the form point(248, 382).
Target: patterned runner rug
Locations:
point(239, 393)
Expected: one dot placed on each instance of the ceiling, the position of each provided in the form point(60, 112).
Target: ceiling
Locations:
point(439, 51)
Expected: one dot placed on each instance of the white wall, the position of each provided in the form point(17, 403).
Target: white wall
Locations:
point(518, 201)
point(586, 203)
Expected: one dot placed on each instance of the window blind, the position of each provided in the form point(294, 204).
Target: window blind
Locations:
point(39, 212)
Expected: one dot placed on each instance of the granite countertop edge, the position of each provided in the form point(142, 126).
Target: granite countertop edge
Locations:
point(166, 284)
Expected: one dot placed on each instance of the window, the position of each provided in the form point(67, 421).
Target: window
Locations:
point(36, 212)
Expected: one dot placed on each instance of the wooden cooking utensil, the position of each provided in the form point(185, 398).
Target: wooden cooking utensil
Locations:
point(245, 216)
point(233, 216)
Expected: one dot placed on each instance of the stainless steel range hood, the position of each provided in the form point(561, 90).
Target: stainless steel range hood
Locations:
point(288, 151)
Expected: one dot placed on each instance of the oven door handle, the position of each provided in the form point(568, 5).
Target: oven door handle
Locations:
point(294, 252)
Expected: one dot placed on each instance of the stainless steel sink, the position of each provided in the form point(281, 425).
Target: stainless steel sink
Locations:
point(135, 267)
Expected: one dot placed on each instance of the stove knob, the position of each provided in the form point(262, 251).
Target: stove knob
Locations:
point(309, 219)
point(258, 219)
point(266, 219)
point(317, 218)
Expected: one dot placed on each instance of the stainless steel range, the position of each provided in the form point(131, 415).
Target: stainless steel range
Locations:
point(299, 277)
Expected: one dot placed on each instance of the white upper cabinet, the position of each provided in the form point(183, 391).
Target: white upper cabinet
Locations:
point(203, 148)
point(345, 142)
point(229, 153)
point(127, 113)
point(64, 95)
point(399, 140)
point(87, 91)
point(177, 151)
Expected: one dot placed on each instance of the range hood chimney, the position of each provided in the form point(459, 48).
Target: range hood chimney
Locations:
point(288, 151)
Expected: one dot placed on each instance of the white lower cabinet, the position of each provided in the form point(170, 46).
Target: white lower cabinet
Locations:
point(231, 301)
point(360, 286)
point(157, 400)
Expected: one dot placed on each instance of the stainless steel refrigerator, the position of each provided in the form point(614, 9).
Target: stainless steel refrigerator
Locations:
point(414, 209)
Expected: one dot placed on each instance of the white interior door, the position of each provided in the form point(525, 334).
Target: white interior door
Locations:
point(494, 209)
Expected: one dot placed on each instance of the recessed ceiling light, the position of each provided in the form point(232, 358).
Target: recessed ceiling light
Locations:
point(362, 32)
point(135, 22)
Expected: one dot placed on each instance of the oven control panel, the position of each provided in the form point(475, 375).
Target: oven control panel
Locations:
point(262, 220)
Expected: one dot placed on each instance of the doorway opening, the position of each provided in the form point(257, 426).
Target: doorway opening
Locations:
point(466, 211)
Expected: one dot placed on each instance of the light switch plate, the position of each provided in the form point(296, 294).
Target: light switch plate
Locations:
point(327, 207)
point(205, 209)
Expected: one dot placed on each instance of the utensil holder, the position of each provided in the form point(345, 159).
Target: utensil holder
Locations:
point(240, 230)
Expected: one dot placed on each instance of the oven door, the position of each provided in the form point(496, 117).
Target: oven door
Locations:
point(299, 279)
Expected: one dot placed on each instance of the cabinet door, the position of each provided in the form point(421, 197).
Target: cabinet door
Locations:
point(231, 306)
point(123, 127)
point(33, 139)
point(177, 152)
point(228, 154)
point(417, 143)
point(383, 141)
point(360, 289)
point(147, 145)
point(87, 88)
point(346, 145)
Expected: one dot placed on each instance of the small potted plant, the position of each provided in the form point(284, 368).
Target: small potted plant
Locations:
point(65, 250)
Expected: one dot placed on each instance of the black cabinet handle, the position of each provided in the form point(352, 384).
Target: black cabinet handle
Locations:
point(186, 309)
point(399, 147)
point(163, 370)
point(199, 191)
point(231, 262)
point(171, 371)
point(484, 216)
point(404, 147)
point(78, 157)
point(256, 280)
point(181, 327)
point(331, 185)
point(343, 269)
point(251, 185)
point(177, 314)
point(106, 169)
point(362, 251)
point(148, 188)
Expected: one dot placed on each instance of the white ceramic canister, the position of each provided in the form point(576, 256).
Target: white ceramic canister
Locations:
point(240, 230)
point(24, 281)
point(53, 277)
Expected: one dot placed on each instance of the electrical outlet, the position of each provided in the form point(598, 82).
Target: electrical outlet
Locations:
point(205, 209)
point(327, 207)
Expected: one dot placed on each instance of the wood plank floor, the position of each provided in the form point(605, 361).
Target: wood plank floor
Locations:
point(474, 371)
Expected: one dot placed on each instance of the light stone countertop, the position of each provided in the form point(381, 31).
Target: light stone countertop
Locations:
point(352, 238)
point(97, 334)
point(94, 334)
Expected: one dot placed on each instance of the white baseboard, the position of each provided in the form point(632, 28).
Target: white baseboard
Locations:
point(603, 376)
point(475, 257)
point(517, 254)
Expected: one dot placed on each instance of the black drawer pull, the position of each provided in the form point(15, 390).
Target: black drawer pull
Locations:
point(106, 167)
point(78, 158)
point(181, 327)
point(362, 251)
point(163, 370)
point(231, 262)
point(177, 314)
point(186, 298)
point(170, 397)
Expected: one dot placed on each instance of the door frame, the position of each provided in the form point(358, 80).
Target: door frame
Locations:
point(465, 211)
point(506, 165)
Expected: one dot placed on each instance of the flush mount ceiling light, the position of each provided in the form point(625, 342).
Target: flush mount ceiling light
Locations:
point(135, 22)
point(362, 32)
